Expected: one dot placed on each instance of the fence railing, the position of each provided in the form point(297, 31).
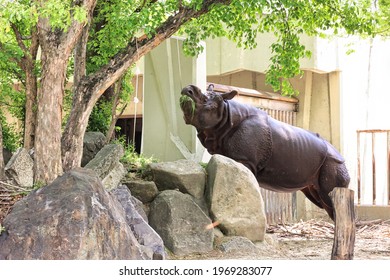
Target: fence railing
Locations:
point(367, 140)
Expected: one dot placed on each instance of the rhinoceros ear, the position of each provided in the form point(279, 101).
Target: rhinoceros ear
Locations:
point(229, 95)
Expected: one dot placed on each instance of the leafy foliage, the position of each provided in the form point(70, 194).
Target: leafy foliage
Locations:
point(118, 21)
point(11, 135)
point(383, 18)
point(287, 20)
point(101, 115)
point(134, 161)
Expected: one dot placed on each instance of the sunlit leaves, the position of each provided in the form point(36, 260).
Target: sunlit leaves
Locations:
point(61, 13)
point(286, 20)
point(117, 22)
point(383, 17)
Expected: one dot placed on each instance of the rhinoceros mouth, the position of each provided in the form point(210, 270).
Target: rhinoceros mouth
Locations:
point(187, 104)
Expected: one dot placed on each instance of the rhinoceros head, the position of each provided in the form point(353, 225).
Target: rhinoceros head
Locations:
point(203, 110)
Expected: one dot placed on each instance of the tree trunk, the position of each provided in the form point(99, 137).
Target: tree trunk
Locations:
point(344, 233)
point(57, 45)
point(80, 57)
point(2, 174)
point(48, 164)
point(30, 111)
point(31, 91)
point(73, 135)
point(27, 63)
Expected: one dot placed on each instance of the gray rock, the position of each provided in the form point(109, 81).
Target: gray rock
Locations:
point(140, 207)
point(146, 191)
point(146, 236)
point(181, 223)
point(106, 164)
point(20, 168)
point(185, 175)
point(92, 144)
point(234, 199)
point(114, 177)
point(72, 218)
point(238, 244)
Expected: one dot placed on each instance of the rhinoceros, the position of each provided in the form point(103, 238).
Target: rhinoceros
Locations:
point(283, 158)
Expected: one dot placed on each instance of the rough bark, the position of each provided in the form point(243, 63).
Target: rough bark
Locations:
point(31, 95)
point(27, 64)
point(80, 56)
point(57, 46)
point(72, 138)
point(93, 86)
point(30, 111)
point(344, 234)
point(48, 163)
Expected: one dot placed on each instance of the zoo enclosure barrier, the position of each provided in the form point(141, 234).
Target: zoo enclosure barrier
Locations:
point(373, 167)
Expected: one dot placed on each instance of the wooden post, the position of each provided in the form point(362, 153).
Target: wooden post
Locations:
point(344, 217)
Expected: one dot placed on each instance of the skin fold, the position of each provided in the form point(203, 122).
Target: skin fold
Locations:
point(283, 158)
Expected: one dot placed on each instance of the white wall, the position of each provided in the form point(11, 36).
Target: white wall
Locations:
point(365, 105)
point(364, 89)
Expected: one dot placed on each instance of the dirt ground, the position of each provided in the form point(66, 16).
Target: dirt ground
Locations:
point(311, 240)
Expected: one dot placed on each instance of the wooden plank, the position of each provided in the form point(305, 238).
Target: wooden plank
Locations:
point(373, 130)
point(345, 228)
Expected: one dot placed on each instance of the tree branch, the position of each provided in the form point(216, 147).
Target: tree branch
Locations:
point(108, 74)
point(19, 39)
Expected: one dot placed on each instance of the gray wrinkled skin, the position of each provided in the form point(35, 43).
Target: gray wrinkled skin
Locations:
point(282, 157)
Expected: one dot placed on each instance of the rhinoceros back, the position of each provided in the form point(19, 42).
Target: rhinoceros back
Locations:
point(296, 158)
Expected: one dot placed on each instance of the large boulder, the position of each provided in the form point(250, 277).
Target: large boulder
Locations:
point(93, 142)
point(234, 199)
point(72, 218)
point(146, 191)
point(146, 236)
point(106, 164)
point(114, 177)
point(181, 223)
point(185, 175)
point(20, 168)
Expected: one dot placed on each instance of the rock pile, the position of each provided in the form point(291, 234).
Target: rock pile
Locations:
point(186, 211)
point(92, 213)
point(76, 218)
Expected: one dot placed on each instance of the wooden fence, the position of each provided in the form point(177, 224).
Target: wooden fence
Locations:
point(376, 143)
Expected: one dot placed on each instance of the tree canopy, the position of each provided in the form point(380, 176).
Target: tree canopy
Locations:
point(97, 41)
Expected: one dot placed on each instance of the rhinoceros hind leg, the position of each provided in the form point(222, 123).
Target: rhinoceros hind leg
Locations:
point(318, 199)
point(332, 174)
point(312, 195)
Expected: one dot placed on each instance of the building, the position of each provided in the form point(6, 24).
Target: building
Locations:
point(339, 94)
